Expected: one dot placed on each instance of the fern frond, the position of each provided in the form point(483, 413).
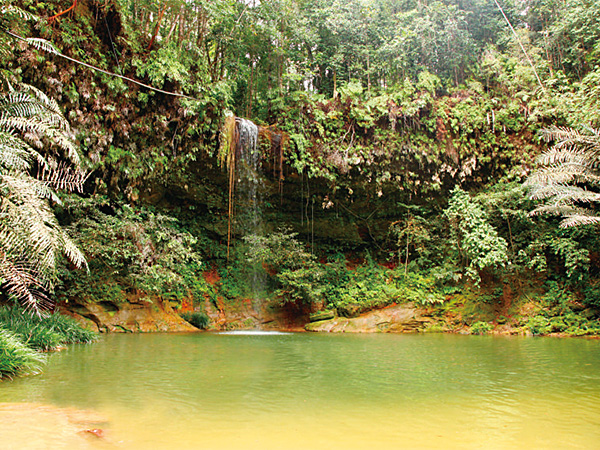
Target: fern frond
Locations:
point(50, 104)
point(14, 11)
point(20, 104)
point(62, 176)
point(23, 284)
point(31, 240)
point(569, 169)
point(555, 210)
point(42, 128)
point(576, 220)
point(42, 44)
point(570, 154)
point(562, 195)
point(569, 136)
point(563, 174)
point(16, 157)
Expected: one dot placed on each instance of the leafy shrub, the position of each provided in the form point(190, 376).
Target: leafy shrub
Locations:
point(481, 328)
point(371, 285)
point(16, 357)
point(477, 241)
point(294, 272)
point(198, 319)
point(131, 250)
point(539, 325)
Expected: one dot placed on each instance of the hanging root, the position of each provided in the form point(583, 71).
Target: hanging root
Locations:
point(238, 140)
point(226, 157)
point(227, 141)
point(50, 19)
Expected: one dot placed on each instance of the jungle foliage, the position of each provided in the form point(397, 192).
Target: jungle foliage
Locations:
point(24, 335)
point(410, 127)
point(34, 137)
point(133, 254)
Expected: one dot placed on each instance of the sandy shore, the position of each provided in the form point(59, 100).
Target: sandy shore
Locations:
point(36, 426)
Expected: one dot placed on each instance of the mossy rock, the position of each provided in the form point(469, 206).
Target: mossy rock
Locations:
point(321, 315)
point(349, 310)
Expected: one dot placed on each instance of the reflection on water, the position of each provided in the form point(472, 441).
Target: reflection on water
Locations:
point(254, 333)
point(297, 391)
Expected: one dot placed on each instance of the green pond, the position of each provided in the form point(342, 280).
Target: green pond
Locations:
point(320, 391)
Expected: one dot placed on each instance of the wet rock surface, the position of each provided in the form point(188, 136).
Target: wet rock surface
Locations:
point(404, 318)
point(129, 317)
point(255, 314)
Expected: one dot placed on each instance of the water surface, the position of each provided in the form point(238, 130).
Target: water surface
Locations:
point(298, 391)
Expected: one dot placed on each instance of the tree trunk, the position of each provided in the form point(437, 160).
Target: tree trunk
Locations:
point(157, 28)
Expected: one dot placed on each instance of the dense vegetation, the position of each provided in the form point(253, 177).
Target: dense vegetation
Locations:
point(395, 138)
point(23, 336)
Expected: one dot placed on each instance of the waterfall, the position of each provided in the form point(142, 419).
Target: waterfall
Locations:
point(249, 187)
point(248, 139)
point(248, 173)
point(239, 153)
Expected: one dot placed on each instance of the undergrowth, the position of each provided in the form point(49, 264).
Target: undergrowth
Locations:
point(16, 357)
point(131, 251)
point(24, 335)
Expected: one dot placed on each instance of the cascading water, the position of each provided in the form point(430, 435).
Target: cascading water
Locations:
point(248, 173)
point(239, 153)
point(249, 185)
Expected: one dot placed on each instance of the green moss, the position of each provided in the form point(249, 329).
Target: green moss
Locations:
point(198, 319)
point(434, 328)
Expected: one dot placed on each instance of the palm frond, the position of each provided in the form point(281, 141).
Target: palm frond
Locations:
point(31, 240)
point(568, 171)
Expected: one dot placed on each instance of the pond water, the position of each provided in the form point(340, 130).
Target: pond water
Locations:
point(298, 391)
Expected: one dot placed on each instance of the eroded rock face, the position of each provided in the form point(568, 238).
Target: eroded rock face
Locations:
point(393, 319)
point(128, 317)
point(255, 314)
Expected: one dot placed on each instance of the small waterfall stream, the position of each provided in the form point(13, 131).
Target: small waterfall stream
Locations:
point(249, 199)
point(248, 173)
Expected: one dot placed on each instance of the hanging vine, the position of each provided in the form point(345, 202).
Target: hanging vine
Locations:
point(239, 138)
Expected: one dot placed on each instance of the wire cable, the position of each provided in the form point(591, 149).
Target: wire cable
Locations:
point(98, 69)
point(522, 48)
